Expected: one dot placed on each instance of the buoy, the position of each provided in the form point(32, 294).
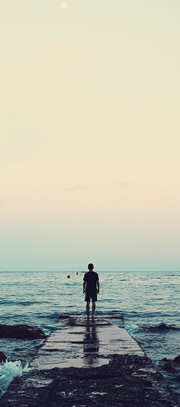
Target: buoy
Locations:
point(77, 273)
point(68, 276)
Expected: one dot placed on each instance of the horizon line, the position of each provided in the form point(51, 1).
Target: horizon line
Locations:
point(82, 271)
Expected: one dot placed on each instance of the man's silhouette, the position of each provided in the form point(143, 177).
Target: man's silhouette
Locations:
point(91, 288)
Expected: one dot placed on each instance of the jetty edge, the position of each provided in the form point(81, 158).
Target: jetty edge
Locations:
point(88, 363)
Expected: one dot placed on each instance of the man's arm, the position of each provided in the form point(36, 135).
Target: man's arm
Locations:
point(84, 286)
point(98, 286)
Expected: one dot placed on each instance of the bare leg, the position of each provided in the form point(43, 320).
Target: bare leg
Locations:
point(93, 308)
point(87, 308)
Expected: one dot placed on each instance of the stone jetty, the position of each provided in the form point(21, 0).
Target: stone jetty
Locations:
point(88, 363)
point(81, 342)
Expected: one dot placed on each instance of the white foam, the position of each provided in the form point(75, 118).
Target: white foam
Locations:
point(8, 371)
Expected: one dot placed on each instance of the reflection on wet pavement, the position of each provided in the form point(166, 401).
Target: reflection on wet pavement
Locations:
point(90, 342)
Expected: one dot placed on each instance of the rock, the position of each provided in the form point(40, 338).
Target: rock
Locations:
point(177, 360)
point(169, 367)
point(21, 332)
point(3, 357)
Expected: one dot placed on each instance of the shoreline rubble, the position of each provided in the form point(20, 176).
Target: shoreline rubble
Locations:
point(127, 381)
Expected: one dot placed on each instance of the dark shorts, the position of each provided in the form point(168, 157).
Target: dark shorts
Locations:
point(92, 295)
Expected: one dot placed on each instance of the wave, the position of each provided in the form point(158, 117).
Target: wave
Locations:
point(8, 371)
point(160, 328)
point(53, 315)
point(6, 302)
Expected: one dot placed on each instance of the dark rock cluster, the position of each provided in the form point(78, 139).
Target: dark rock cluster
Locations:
point(3, 357)
point(127, 381)
point(170, 366)
point(21, 332)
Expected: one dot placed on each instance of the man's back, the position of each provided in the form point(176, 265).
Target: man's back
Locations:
point(91, 278)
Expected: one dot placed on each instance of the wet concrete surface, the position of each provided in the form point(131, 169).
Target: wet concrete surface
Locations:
point(82, 342)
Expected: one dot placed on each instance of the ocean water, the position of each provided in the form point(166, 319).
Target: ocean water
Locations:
point(148, 300)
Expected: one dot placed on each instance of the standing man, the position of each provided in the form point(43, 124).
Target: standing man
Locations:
point(91, 288)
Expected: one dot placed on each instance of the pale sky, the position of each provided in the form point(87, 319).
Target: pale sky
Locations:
point(89, 134)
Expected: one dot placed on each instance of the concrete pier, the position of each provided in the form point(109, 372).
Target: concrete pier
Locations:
point(81, 342)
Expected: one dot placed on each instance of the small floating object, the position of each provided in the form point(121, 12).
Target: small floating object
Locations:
point(68, 276)
point(77, 273)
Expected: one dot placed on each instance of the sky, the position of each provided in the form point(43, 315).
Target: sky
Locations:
point(89, 134)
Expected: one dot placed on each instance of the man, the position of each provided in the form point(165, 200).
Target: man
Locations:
point(91, 288)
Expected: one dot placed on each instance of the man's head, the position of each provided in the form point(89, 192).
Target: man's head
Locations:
point(90, 267)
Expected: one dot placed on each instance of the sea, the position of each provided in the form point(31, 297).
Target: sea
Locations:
point(148, 300)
